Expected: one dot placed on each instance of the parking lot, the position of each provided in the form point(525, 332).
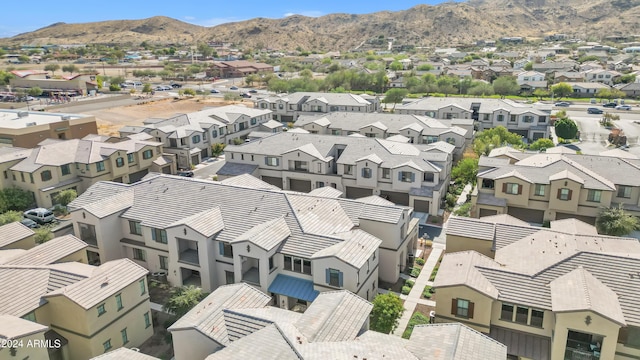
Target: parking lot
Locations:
point(594, 136)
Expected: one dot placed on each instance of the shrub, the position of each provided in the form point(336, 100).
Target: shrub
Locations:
point(463, 210)
point(416, 319)
point(566, 128)
point(420, 261)
point(409, 283)
point(428, 292)
point(406, 290)
point(114, 87)
point(415, 272)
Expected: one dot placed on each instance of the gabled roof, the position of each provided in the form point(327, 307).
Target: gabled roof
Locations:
point(455, 342)
point(248, 181)
point(460, 269)
point(371, 157)
point(308, 149)
point(376, 200)
point(573, 226)
point(50, 252)
point(515, 174)
point(355, 250)
point(566, 174)
point(319, 215)
point(270, 340)
point(14, 327)
point(326, 192)
point(266, 235)
point(13, 232)
point(124, 353)
point(207, 222)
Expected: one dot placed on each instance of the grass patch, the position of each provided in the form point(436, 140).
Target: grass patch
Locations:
point(416, 319)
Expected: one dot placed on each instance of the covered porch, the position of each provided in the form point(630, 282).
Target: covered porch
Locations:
point(292, 293)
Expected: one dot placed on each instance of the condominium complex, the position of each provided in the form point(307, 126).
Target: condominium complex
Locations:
point(559, 293)
point(235, 322)
point(530, 121)
point(415, 175)
point(549, 186)
point(28, 128)
point(288, 107)
point(57, 165)
point(190, 136)
point(208, 234)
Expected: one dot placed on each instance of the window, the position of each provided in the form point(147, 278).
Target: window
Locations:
point(107, 345)
point(271, 264)
point(125, 338)
point(147, 320)
point(139, 254)
point(214, 133)
point(288, 262)
point(406, 176)
point(513, 118)
point(100, 166)
point(204, 136)
point(6, 175)
point(306, 267)
point(222, 131)
point(119, 302)
point(226, 249)
point(512, 188)
point(66, 169)
point(462, 308)
point(147, 154)
point(319, 167)
point(527, 119)
point(195, 139)
point(45, 175)
point(143, 289)
point(348, 169)
point(624, 192)
point(334, 277)
point(488, 183)
point(594, 195)
point(271, 161)
point(429, 139)
point(386, 173)
point(500, 118)
point(296, 264)
point(485, 117)
point(22, 176)
point(336, 132)
point(159, 235)
point(428, 177)
point(539, 190)
point(135, 228)
point(522, 314)
point(542, 119)
point(129, 158)
point(229, 277)
point(506, 313)
point(253, 121)
point(101, 309)
point(366, 173)
point(30, 316)
point(537, 317)
point(300, 166)
point(564, 194)
point(164, 262)
point(319, 184)
point(280, 106)
point(451, 141)
point(119, 162)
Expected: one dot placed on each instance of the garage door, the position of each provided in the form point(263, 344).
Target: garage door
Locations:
point(137, 176)
point(286, 118)
point(588, 219)
point(395, 197)
point(300, 185)
point(421, 206)
point(528, 215)
point(356, 193)
point(488, 212)
point(275, 181)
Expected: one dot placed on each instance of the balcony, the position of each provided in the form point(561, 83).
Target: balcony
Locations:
point(251, 276)
point(190, 256)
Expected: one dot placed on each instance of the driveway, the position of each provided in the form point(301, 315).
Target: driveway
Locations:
point(594, 136)
point(208, 168)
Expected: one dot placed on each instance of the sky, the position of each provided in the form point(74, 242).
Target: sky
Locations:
point(22, 17)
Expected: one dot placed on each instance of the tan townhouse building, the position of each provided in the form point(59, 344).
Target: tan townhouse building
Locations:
point(288, 107)
point(289, 245)
point(57, 165)
point(190, 136)
point(236, 322)
point(16, 236)
point(50, 293)
point(530, 121)
point(27, 129)
point(78, 84)
point(551, 186)
point(413, 129)
point(559, 293)
point(415, 175)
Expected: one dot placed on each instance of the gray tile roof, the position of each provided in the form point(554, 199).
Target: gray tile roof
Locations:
point(326, 191)
point(266, 235)
point(96, 192)
point(339, 99)
point(9, 153)
point(461, 226)
point(51, 251)
point(248, 181)
point(124, 354)
point(455, 342)
point(12, 232)
point(355, 250)
point(376, 200)
point(14, 327)
point(240, 325)
point(234, 169)
point(573, 226)
point(490, 199)
point(272, 343)
point(370, 345)
point(486, 105)
point(461, 269)
point(318, 215)
point(207, 222)
point(118, 201)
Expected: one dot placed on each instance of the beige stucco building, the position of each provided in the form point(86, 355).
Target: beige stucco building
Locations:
point(78, 84)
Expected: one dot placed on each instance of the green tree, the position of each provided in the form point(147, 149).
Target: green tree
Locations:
point(65, 197)
point(146, 88)
point(566, 128)
point(42, 235)
point(395, 96)
point(506, 85)
point(14, 198)
point(217, 149)
point(306, 73)
point(52, 67)
point(626, 79)
point(615, 221)
point(232, 97)
point(183, 299)
point(466, 171)
point(70, 68)
point(541, 93)
point(250, 79)
point(114, 87)
point(10, 216)
point(424, 67)
point(387, 310)
point(396, 66)
point(528, 66)
point(541, 144)
point(561, 90)
point(35, 91)
point(189, 92)
point(499, 136)
point(205, 50)
point(481, 89)
point(5, 77)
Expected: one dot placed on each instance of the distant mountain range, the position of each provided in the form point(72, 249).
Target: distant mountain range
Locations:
point(423, 25)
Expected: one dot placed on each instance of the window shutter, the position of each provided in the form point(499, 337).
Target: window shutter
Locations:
point(362, 172)
point(504, 188)
point(153, 234)
point(570, 193)
point(266, 160)
point(400, 175)
point(471, 306)
point(328, 273)
point(221, 246)
point(454, 306)
point(340, 279)
point(413, 177)
point(559, 193)
point(520, 189)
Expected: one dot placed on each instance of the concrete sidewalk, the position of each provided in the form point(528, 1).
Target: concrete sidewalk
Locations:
point(415, 295)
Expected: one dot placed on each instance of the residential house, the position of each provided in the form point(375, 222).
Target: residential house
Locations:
point(78, 84)
point(520, 64)
point(602, 76)
point(564, 293)
point(238, 68)
point(16, 333)
point(28, 128)
point(335, 326)
point(529, 121)
point(631, 90)
point(590, 65)
point(14, 235)
point(529, 76)
point(190, 136)
point(587, 89)
point(568, 76)
point(546, 186)
point(491, 73)
point(415, 175)
point(290, 245)
point(57, 165)
point(287, 108)
point(124, 353)
point(414, 129)
point(551, 66)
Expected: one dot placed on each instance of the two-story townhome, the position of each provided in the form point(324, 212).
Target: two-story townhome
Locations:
point(335, 326)
point(568, 76)
point(415, 175)
point(82, 310)
point(416, 129)
point(287, 108)
point(566, 294)
point(542, 187)
point(529, 121)
point(587, 89)
point(550, 66)
point(602, 76)
point(289, 245)
point(531, 80)
point(57, 165)
point(190, 136)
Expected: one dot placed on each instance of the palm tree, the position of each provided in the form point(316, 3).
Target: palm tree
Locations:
point(183, 299)
point(615, 222)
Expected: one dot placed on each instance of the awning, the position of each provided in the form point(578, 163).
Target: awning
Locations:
point(523, 344)
point(293, 287)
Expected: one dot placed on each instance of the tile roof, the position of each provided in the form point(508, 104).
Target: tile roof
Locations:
point(455, 342)
point(319, 215)
point(12, 232)
point(460, 226)
point(235, 169)
point(573, 226)
point(486, 105)
point(124, 354)
point(370, 345)
point(375, 200)
point(327, 192)
point(50, 252)
point(266, 235)
point(355, 250)
point(110, 204)
point(272, 343)
point(461, 269)
point(504, 219)
point(207, 222)
point(336, 99)
point(14, 327)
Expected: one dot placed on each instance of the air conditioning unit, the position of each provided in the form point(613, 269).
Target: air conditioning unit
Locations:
point(22, 114)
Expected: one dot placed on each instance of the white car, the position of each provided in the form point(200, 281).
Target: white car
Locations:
point(40, 215)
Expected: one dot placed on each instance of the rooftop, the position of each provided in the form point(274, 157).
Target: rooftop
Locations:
point(18, 119)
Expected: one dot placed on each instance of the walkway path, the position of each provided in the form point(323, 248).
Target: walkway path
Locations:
point(463, 196)
point(414, 297)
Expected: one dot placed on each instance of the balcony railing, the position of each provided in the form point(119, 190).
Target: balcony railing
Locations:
point(190, 256)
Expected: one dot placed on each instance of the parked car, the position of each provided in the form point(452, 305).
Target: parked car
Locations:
point(185, 173)
point(253, 91)
point(29, 223)
point(167, 87)
point(562, 104)
point(246, 95)
point(594, 111)
point(40, 215)
point(623, 107)
point(159, 88)
point(176, 86)
point(215, 91)
point(610, 105)
point(233, 88)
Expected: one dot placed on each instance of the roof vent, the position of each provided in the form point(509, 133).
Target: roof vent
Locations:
point(22, 114)
point(31, 124)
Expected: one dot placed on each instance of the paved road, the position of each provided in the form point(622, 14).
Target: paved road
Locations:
point(208, 169)
point(594, 136)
